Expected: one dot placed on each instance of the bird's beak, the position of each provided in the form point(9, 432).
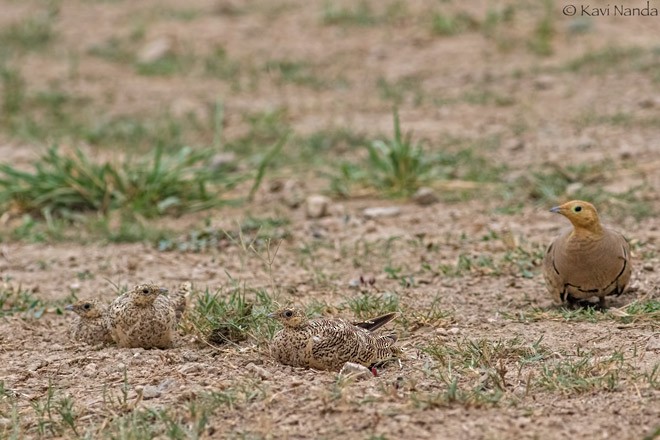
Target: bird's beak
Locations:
point(163, 290)
point(272, 315)
point(555, 209)
point(69, 307)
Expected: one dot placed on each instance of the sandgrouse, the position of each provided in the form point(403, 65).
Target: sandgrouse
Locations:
point(89, 326)
point(327, 344)
point(587, 261)
point(145, 317)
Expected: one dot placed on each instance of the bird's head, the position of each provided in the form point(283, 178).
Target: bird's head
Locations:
point(145, 294)
point(88, 309)
point(581, 214)
point(290, 317)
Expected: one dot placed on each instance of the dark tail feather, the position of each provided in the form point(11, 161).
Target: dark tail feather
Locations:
point(376, 323)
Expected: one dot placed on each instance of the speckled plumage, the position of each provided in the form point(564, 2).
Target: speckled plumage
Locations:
point(587, 261)
point(327, 344)
point(145, 317)
point(89, 325)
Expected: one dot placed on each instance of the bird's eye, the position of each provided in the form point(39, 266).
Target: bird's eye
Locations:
point(577, 209)
point(288, 313)
point(87, 306)
point(145, 290)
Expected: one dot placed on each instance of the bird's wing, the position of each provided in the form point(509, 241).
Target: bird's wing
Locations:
point(553, 278)
point(334, 342)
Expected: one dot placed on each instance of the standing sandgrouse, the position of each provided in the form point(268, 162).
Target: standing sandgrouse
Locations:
point(89, 326)
point(587, 261)
point(327, 344)
point(145, 317)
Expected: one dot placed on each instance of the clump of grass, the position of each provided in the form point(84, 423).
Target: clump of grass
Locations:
point(444, 24)
point(644, 312)
point(208, 238)
point(360, 14)
point(168, 65)
point(294, 72)
point(18, 300)
point(62, 184)
point(606, 59)
point(479, 372)
point(398, 91)
point(218, 64)
point(33, 33)
point(397, 165)
point(541, 41)
point(583, 374)
point(13, 91)
point(368, 305)
point(639, 312)
point(231, 317)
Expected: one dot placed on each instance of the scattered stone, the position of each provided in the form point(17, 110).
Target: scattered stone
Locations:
point(384, 211)
point(544, 82)
point(579, 25)
point(514, 145)
point(155, 50)
point(356, 371)
point(648, 267)
point(585, 143)
point(454, 330)
point(425, 196)
point(90, 370)
point(149, 392)
point(292, 193)
point(653, 344)
point(223, 161)
point(316, 206)
point(189, 368)
point(262, 373)
point(573, 188)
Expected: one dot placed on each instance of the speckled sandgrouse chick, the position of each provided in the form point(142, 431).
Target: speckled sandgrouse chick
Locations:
point(327, 344)
point(89, 324)
point(145, 317)
point(588, 260)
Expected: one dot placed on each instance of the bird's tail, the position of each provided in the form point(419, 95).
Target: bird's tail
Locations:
point(376, 323)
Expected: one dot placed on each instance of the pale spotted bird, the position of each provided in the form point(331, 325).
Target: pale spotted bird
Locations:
point(89, 324)
point(145, 317)
point(327, 344)
point(588, 260)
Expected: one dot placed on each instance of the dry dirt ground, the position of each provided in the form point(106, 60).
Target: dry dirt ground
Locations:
point(487, 353)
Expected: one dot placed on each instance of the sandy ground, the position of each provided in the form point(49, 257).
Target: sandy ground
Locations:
point(524, 368)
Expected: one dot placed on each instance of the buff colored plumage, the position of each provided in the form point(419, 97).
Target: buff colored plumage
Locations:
point(587, 261)
point(145, 317)
point(89, 325)
point(327, 344)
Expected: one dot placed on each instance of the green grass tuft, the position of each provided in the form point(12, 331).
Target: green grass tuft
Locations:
point(63, 184)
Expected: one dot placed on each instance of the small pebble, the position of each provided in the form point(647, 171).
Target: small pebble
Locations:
point(386, 211)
